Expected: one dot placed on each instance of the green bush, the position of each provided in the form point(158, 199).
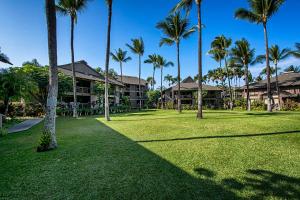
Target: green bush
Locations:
point(44, 142)
point(3, 132)
point(169, 105)
point(258, 105)
point(291, 105)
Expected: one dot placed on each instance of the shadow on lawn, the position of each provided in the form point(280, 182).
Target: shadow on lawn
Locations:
point(221, 136)
point(133, 172)
point(266, 184)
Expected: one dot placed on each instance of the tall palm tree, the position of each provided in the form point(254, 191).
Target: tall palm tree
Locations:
point(138, 48)
point(152, 59)
point(169, 79)
point(72, 8)
point(175, 28)
point(121, 57)
point(260, 12)
point(276, 55)
point(221, 44)
point(4, 58)
point(217, 55)
point(161, 63)
point(106, 100)
point(296, 53)
point(244, 55)
point(49, 124)
point(187, 5)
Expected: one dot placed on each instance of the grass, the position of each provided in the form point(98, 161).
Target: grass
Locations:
point(158, 155)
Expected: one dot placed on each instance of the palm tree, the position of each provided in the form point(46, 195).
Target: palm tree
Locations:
point(106, 100)
point(217, 55)
point(264, 71)
point(276, 55)
point(4, 58)
point(187, 5)
point(169, 79)
point(150, 80)
point(152, 59)
point(71, 8)
point(296, 53)
point(49, 124)
point(175, 29)
point(138, 48)
point(260, 12)
point(244, 55)
point(292, 68)
point(161, 63)
point(121, 57)
point(221, 44)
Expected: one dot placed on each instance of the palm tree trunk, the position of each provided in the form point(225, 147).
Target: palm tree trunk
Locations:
point(178, 68)
point(121, 69)
point(73, 69)
point(107, 60)
point(153, 77)
point(161, 89)
point(140, 94)
point(268, 69)
point(277, 87)
point(6, 104)
point(200, 95)
point(248, 102)
point(49, 124)
point(229, 84)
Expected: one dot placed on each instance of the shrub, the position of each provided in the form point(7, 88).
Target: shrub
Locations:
point(3, 132)
point(258, 105)
point(169, 105)
point(291, 105)
point(44, 142)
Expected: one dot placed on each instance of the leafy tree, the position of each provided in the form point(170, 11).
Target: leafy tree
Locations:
point(175, 28)
point(152, 59)
point(276, 55)
point(12, 85)
point(187, 5)
point(121, 57)
point(32, 62)
point(243, 55)
point(138, 48)
point(260, 13)
point(152, 98)
point(4, 58)
point(72, 8)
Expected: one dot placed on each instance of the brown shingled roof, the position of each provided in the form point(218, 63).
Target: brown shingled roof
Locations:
point(189, 84)
point(132, 80)
point(83, 70)
point(286, 79)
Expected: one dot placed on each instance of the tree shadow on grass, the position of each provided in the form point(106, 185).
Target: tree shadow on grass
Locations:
point(266, 184)
point(94, 161)
point(221, 136)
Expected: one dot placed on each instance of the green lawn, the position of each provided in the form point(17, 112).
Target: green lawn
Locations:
point(158, 155)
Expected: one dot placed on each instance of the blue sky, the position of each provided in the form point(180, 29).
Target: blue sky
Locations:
point(23, 32)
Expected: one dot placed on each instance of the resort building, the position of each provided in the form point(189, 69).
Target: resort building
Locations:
point(289, 87)
point(212, 95)
point(131, 89)
point(86, 77)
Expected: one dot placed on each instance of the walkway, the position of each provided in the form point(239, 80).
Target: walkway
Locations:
point(23, 126)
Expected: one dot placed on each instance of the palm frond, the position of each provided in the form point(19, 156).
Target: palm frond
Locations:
point(247, 15)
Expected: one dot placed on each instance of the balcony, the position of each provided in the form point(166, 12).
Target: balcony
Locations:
point(188, 96)
point(84, 90)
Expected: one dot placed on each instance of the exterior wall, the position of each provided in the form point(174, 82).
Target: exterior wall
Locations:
point(132, 91)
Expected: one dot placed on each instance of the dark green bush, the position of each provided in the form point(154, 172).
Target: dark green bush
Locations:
point(44, 142)
point(3, 132)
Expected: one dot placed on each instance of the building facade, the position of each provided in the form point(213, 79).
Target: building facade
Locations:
point(212, 95)
point(289, 87)
point(131, 90)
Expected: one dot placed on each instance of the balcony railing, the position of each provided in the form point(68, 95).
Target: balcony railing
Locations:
point(85, 90)
point(188, 96)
